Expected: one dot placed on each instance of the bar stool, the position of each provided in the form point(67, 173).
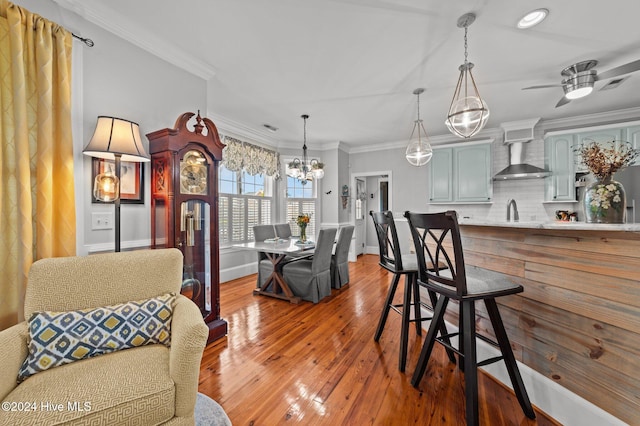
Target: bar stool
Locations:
point(436, 237)
point(392, 260)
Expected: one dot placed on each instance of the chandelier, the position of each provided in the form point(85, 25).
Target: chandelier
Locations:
point(419, 150)
point(468, 113)
point(305, 170)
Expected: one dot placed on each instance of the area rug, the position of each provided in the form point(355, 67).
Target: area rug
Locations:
point(210, 413)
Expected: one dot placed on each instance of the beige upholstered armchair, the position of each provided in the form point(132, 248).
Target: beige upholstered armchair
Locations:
point(150, 384)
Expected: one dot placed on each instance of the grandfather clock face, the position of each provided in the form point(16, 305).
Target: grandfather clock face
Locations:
point(194, 173)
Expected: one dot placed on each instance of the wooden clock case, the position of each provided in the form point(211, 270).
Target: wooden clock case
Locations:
point(184, 209)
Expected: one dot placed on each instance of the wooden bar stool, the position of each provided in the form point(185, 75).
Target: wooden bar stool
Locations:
point(392, 260)
point(436, 237)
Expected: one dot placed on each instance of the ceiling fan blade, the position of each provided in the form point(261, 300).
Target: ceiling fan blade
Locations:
point(544, 86)
point(563, 101)
point(621, 70)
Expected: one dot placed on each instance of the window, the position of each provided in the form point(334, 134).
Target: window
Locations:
point(301, 199)
point(245, 200)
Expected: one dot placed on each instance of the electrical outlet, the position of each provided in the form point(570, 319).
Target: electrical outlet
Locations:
point(101, 221)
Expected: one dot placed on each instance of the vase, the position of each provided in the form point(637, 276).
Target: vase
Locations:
point(604, 201)
point(303, 233)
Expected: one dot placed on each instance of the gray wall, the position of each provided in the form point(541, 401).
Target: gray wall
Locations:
point(122, 80)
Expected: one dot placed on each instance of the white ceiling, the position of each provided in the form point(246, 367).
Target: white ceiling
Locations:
point(352, 65)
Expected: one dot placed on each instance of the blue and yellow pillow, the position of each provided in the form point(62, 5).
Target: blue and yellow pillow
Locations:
point(58, 338)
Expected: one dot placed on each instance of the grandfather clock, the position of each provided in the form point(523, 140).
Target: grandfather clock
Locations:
point(184, 209)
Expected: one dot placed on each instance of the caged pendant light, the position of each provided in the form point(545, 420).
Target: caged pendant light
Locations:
point(468, 113)
point(419, 150)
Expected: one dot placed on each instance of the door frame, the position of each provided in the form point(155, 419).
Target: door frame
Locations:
point(365, 175)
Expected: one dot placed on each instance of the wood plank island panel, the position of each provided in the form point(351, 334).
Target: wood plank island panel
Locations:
point(578, 320)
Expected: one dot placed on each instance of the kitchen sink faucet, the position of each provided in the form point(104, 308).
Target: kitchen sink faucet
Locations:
point(515, 210)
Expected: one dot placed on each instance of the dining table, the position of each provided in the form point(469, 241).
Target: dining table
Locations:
point(279, 251)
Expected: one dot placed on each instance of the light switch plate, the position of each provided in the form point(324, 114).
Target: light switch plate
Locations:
point(101, 221)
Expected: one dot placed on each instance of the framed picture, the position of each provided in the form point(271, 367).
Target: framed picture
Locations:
point(131, 180)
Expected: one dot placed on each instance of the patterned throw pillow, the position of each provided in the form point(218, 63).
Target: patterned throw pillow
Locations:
point(58, 338)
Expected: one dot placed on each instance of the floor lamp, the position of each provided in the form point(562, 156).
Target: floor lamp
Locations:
point(119, 140)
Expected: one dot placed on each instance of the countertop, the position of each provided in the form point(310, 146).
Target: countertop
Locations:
point(582, 226)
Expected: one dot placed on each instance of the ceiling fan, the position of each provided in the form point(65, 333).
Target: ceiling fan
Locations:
point(579, 78)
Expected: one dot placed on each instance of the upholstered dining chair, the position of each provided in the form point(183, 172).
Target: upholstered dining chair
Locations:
point(261, 233)
point(310, 279)
point(108, 338)
point(340, 258)
point(436, 237)
point(283, 230)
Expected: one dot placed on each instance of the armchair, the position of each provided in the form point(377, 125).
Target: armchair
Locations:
point(150, 384)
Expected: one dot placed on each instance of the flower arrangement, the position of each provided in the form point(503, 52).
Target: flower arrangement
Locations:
point(604, 200)
point(303, 219)
point(603, 160)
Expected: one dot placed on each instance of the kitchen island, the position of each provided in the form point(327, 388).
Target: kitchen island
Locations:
point(578, 320)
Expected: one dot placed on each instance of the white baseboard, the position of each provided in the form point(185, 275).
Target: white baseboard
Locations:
point(372, 250)
point(240, 271)
point(558, 402)
point(124, 245)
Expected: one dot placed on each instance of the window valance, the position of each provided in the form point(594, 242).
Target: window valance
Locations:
point(239, 155)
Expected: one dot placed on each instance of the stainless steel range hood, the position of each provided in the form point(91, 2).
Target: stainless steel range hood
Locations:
point(517, 135)
point(517, 168)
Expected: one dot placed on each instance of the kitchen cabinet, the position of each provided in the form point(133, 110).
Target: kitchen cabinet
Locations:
point(633, 137)
point(603, 136)
point(564, 162)
point(559, 160)
point(461, 174)
point(441, 180)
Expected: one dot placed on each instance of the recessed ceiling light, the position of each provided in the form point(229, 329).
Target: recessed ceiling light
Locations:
point(532, 18)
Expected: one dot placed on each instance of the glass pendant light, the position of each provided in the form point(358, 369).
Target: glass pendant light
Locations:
point(468, 113)
point(419, 150)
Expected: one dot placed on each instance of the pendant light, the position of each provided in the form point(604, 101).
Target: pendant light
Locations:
point(419, 150)
point(305, 170)
point(468, 113)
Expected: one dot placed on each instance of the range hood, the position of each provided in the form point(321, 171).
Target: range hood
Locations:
point(516, 136)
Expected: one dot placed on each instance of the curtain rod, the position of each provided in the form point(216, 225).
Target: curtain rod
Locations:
point(86, 41)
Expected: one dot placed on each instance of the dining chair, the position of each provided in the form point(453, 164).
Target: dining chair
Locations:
point(283, 230)
point(265, 266)
point(310, 279)
point(436, 237)
point(340, 258)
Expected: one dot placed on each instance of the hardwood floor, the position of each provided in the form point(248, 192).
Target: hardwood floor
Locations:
point(318, 364)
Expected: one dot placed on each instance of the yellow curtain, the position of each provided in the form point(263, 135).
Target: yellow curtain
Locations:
point(37, 207)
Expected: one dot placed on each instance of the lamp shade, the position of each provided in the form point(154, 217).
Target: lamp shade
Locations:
point(116, 136)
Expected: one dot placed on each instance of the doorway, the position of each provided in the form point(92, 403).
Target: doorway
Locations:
point(371, 191)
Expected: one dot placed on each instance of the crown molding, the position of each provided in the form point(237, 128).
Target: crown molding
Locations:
point(484, 135)
point(105, 18)
point(600, 118)
point(238, 130)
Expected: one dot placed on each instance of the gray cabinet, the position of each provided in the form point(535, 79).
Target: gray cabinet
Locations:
point(461, 174)
point(599, 136)
point(633, 137)
point(559, 159)
point(441, 179)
